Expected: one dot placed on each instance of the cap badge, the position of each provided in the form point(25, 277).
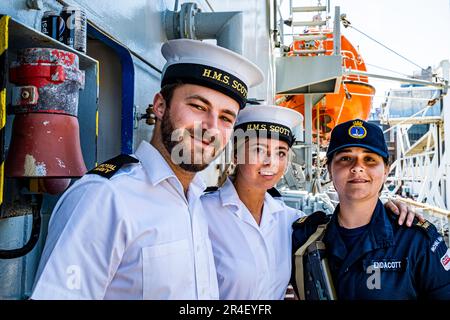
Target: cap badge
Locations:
point(357, 130)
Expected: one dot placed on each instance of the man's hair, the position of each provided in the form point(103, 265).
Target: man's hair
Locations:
point(167, 91)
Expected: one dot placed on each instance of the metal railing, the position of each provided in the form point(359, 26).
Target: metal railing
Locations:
point(439, 217)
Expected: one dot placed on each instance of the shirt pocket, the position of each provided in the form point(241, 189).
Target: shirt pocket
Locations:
point(168, 271)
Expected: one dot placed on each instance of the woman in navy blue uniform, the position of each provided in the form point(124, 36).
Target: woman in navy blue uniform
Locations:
point(370, 255)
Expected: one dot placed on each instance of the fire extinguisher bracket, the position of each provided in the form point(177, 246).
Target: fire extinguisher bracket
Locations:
point(24, 96)
point(47, 73)
point(56, 76)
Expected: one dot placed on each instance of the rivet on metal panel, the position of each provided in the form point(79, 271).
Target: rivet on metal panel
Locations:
point(25, 94)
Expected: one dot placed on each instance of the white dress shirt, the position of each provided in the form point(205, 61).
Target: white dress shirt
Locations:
point(133, 236)
point(252, 261)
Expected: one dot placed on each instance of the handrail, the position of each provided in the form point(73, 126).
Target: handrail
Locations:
point(439, 212)
point(439, 85)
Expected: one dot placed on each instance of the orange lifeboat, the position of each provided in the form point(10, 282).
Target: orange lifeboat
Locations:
point(355, 96)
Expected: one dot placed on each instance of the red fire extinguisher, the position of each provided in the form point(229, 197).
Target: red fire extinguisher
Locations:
point(45, 142)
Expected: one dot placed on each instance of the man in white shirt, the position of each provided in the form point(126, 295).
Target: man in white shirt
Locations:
point(135, 228)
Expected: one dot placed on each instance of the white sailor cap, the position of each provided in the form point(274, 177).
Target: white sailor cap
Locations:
point(281, 121)
point(197, 62)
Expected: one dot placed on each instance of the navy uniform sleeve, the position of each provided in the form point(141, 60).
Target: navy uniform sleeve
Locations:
point(434, 268)
point(302, 229)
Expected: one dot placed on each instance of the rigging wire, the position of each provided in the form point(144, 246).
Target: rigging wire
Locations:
point(347, 24)
point(209, 5)
point(386, 69)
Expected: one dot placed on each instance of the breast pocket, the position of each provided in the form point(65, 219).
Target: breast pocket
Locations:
point(168, 271)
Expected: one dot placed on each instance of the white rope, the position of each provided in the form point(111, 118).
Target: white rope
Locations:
point(342, 106)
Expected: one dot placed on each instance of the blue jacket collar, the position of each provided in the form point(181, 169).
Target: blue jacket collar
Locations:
point(379, 234)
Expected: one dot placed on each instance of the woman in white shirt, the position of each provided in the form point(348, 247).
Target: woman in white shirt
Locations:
point(250, 230)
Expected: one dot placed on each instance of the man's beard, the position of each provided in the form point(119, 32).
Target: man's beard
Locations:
point(167, 130)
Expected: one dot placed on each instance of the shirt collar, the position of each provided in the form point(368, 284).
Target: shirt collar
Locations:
point(381, 228)
point(158, 169)
point(230, 197)
point(197, 186)
point(379, 234)
point(272, 205)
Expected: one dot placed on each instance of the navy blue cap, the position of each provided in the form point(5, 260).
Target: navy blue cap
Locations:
point(358, 133)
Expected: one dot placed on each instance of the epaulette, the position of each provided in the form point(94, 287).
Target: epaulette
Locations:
point(110, 167)
point(304, 227)
point(426, 227)
point(211, 189)
point(274, 192)
point(436, 239)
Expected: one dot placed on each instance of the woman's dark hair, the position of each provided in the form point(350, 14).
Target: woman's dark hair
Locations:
point(385, 160)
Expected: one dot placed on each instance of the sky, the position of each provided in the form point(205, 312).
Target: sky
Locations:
point(416, 29)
